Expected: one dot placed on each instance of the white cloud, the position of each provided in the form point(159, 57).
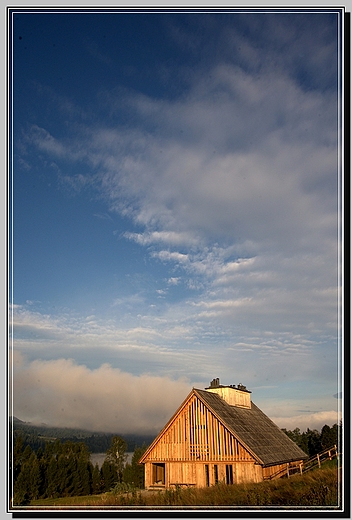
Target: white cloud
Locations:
point(60, 392)
point(163, 237)
point(173, 280)
point(167, 256)
point(46, 142)
point(131, 300)
point(239, 158)
point(178, 343)
point(315, 420)
point(144, 342)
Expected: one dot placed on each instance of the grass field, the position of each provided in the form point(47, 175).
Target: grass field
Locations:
point(314, 489)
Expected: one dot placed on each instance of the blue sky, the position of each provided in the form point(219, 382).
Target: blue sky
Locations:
point(175, 203)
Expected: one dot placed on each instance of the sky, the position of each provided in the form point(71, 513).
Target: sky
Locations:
point(174, 214)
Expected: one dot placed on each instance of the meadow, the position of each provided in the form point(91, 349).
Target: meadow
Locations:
point(318, 488)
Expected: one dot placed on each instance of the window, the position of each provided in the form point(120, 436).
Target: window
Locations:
point(159, 474)
point(229, 474)
point(207, 475)
point(216, 475)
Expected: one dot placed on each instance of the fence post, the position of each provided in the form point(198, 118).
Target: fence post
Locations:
point(288, 470)
point(301, 467)
point(318, 459)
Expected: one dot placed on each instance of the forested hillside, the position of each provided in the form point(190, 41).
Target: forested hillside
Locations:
point(96, 442)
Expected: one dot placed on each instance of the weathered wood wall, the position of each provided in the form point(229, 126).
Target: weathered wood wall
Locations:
point(200, 474)
point(195, 434)
point(196, 438)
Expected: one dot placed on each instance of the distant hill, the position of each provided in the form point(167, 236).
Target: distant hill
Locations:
point(16, 420)
point(98, 442)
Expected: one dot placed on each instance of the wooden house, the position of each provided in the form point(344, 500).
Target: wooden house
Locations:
point(218, 434)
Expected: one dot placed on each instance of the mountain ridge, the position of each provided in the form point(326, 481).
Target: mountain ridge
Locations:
point(97, 441)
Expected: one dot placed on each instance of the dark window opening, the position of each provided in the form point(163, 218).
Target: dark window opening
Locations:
point(159, 474)
point(207, 475)
point(216, 475)
point(229, 474)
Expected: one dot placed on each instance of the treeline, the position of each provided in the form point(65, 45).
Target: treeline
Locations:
point(37, 436)
point(65, 469)
point(313, 441)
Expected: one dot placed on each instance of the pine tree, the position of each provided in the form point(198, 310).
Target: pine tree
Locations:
point(27, 485)
point(17, 457)
point(329, 436)
point(109, 475)
point(21, 487)
point(96, 480)
point(35, 477)
point(72, 480)
point(314, 444)
point(134, 472)
point(83, 477)
point(51, 477)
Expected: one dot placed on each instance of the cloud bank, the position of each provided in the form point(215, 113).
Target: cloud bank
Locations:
point(62, 393)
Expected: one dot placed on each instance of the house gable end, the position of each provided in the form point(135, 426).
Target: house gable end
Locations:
point(196, 433)
point(164, 429)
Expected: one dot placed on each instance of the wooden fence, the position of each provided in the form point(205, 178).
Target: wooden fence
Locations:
point(307, 465)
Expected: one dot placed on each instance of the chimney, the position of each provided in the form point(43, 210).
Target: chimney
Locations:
point(234, 396)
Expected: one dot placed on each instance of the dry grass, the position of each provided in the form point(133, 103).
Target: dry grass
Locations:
point(315, 489)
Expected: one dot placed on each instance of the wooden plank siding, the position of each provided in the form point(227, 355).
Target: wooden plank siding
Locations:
point(209, 441)
point(194, 474)
point(196, 437)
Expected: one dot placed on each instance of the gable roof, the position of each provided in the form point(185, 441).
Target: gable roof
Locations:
point(250, 426)
point(254, 430)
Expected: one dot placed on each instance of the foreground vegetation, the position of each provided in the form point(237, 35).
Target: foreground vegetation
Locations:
point(316, 488)
point(64, 469)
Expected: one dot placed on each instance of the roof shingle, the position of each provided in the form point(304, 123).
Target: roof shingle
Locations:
point(254, 430)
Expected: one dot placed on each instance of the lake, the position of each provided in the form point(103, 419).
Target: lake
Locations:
point(98, 458)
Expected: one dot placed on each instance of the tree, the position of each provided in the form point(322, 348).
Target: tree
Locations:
point(84, 473)
point(134, 472)
point(329, 436)
point(108, 475)
point(116, 456)
point(27, 485)
point(35, 477)
point(304, 443)
point(52, 479)
point(298, 438)
point(17, 457)
point(96, 480)
point(314, 444)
